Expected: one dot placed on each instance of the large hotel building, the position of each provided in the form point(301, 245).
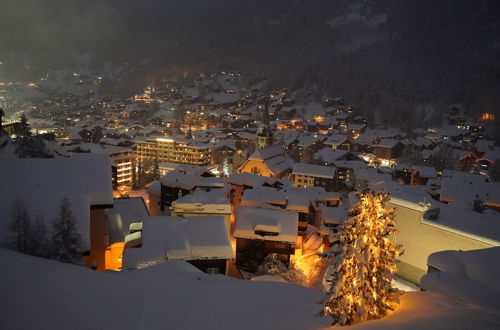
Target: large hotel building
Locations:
point(173, 150)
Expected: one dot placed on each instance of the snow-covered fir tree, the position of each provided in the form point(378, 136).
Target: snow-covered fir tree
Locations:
point(40, 241)
point(364, 263)
point(65, 237)
point(20, 231)
point(28, 145)
point(141, 175)
point(156, 168)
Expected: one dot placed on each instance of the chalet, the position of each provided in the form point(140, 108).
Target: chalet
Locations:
point(413, 175)
point(202, 202)
point(309, 175)
point(261, 232)
point(327, 125)
point(304, 201)
point(311, 126)
point(339, 141)
point(270, 161)
point(355, 130)
point(387, 149)
point(287, 113)
point(464, 160)
point(175, 185)
point(223, 149)
point(202, 241)
point(307, 145)
point(343, 120)
point(345, 173)
point(327, 156)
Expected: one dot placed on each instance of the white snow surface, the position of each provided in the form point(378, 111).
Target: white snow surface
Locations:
point(472, 276)
point(176, 295)
point(252, 219)
point(430, 310)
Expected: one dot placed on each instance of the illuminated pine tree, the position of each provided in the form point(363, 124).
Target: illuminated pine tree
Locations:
point(364, 264)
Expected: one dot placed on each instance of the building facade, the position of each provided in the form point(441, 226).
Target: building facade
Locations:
point(173, 150)
point(309, 175)
point(420, 236)
point(121, 167)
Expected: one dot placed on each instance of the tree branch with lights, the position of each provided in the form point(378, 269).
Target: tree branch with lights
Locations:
point(364, 263)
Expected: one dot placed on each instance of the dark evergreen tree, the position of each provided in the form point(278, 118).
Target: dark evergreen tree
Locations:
point(31, 147)
point(135, 184)
point(65, 237)
point(20, 238)
point(443, 158)
point(40, 240)
point(27, 145)
point(156, 168)
point(411, 156)
point(23, 130)
point(96, 134)
point(141, 175)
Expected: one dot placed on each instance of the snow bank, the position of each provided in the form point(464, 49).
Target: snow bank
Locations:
point(169, 296)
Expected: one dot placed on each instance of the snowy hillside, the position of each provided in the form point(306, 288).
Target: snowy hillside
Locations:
point(45, 294)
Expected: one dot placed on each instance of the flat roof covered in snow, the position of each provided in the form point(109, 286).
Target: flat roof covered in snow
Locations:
point(314, 170)
point(250, 221)
point(173, 238)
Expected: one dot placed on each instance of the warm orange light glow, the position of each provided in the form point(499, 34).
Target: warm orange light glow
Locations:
point(488, 116)
point(319, 119)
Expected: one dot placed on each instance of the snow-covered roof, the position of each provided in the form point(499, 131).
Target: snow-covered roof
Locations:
point(275, 158)
point(336, 140)
point(387, 143)
point(260, 194)
point(173, 238)
point(470, 276)
point(462, 220)
point(329, 155)
point(463, 187)
point(130, 209)
point(412, 197)
point(97, 148)
point(41, 183)
point(199, 198)
point(176, 179)
point(185, 168)
point(424, 171)
point(253, 223)
point(314, 170)
point(251, 180)
point(334, 215)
